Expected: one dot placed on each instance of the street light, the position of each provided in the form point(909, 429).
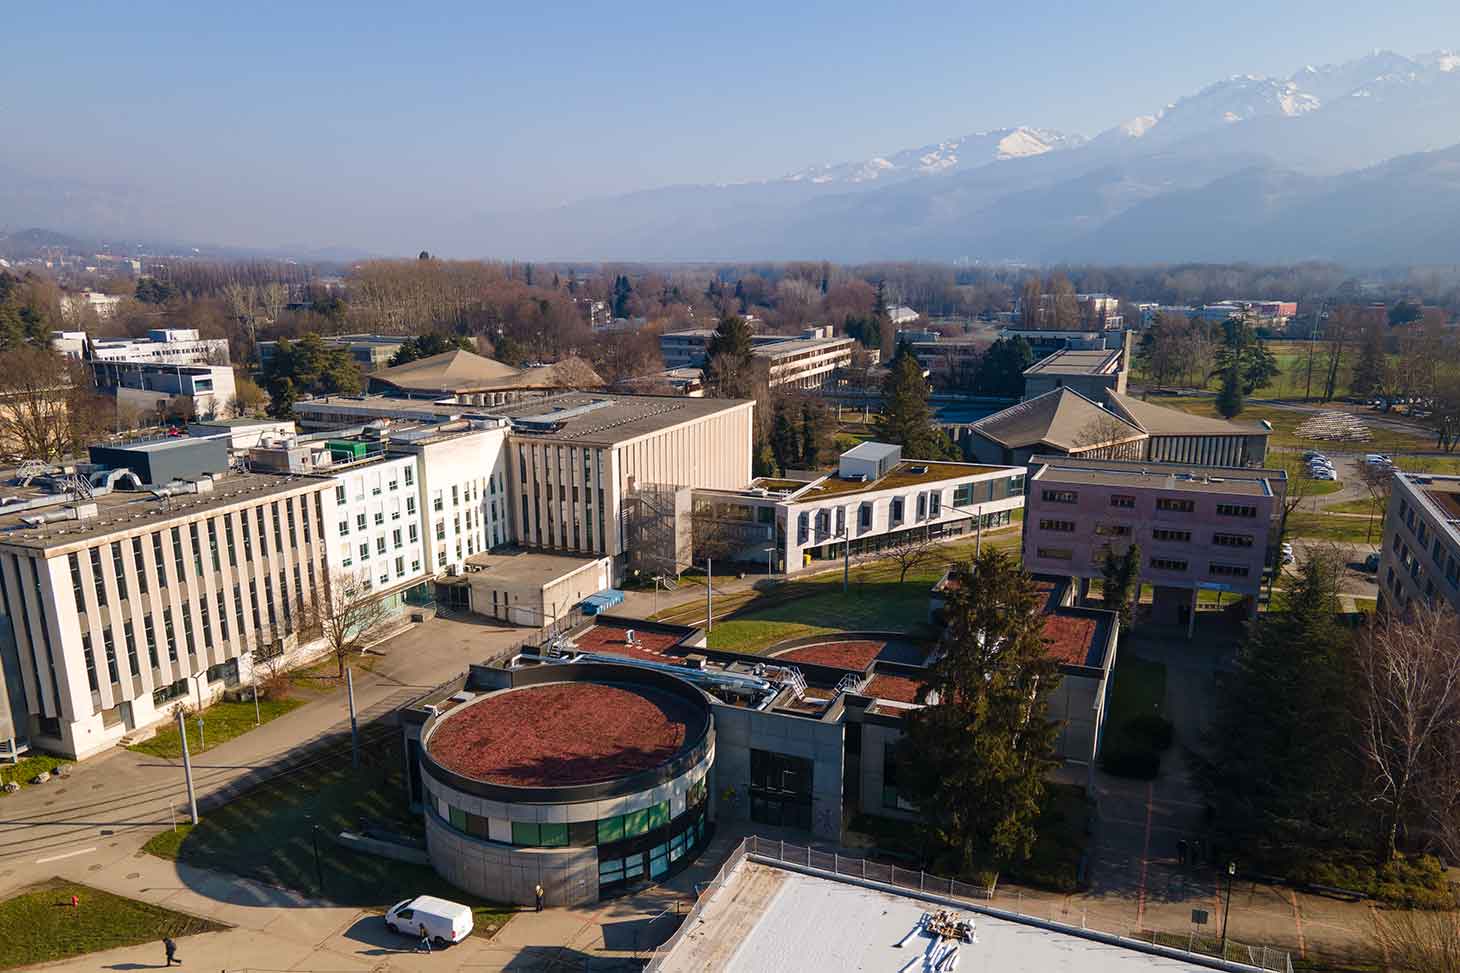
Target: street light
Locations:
point(1227, 909)
point(318, 872)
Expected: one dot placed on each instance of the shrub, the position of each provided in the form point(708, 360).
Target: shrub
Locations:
point(1121, 759)
point(1417, 882)
point(1151, 729)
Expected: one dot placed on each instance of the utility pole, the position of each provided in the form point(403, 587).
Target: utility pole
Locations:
point(846, 560)
point(978, 532)
point(257, 720)
point(1227, 909)
point(182, 732)
point(354, 724)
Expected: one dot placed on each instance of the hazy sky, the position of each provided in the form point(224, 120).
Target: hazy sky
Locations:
point(349, 122)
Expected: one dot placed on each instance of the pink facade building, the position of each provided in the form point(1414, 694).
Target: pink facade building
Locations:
point(1198, 527)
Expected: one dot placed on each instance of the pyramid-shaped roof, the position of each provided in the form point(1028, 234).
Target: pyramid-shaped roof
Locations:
point(450, 370)
point(1061, 418)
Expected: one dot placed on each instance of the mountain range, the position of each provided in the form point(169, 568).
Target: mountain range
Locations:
point(1357, 162)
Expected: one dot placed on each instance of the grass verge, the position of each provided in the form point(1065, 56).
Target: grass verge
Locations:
point(221, 722)
point(1331, 527)
point(28, 767)
point(40, 926)
point(268, 834)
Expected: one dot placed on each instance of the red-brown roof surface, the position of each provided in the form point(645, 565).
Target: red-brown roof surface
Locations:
point(856, 654)
point(613, 640)
point(561, 733)
point(1070, 638)
point(900, 689)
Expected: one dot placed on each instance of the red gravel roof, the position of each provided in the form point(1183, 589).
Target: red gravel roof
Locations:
point(900, 689)
point(612, 640)
point(1071, 639)
point(844, 655)
point(561, 733)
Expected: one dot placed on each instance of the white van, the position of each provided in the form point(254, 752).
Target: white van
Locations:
point(445, 922)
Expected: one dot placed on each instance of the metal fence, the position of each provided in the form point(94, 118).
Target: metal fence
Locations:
point(981, 898)
point(704, 892)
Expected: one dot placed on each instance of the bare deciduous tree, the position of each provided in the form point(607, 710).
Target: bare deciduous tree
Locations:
point(1408, 709)
point(47, 407)
point(349, 614)
point(913, 549)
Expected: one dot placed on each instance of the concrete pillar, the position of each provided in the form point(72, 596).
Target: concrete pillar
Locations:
point(1191, 622)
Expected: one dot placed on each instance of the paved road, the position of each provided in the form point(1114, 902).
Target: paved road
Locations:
point(121, 791)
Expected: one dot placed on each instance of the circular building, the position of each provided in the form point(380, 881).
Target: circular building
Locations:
point(584, 778)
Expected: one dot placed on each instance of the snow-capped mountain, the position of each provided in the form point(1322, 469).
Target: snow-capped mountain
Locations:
point(1382, 74)
point(1351, 161)
point(969, 151)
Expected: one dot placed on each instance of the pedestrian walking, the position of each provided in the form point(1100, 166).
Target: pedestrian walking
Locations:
point(170, 947)
point(540, 893)
point(425, 939)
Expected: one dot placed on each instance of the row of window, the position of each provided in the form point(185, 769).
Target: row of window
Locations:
point(1168, 564)
point(1445, 560)
point(1164, 534)
point(391, 479)
point(576, 834)
point(655, 861)
point(1164, 504)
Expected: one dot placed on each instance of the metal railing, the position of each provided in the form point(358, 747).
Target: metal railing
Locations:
point(703, 895)
point(988, 899)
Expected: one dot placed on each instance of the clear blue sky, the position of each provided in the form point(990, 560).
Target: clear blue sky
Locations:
point(365, 114)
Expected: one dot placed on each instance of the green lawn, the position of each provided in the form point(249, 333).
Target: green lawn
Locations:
point(1430, 464)
point(267, 835)
point(28, 767)
point(1320, 488)
point(1332, 527)
point(39, 926)
point(876, 601)
point(1364, 505)
point(221, 723)
point(1139, 688)
point(1285, 423)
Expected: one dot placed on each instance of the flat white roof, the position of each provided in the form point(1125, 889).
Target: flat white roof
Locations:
point(768, 920)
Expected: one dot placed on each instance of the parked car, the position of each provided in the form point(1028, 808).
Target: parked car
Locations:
point(1324, 475)
point(445, 921)
point(1378, 459)
point(1313, 454)
point(1288, 556)
point(1371, 563)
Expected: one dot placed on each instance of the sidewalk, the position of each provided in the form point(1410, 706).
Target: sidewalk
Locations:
point(120, 791)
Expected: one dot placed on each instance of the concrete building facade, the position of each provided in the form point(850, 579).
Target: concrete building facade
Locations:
point(121, 603)
point(629, 805)
point(1420, 556)
point(1199, 528)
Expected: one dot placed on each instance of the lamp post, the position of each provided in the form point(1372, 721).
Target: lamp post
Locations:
point(1227, 909)
point(200, 676)
point(318, 871)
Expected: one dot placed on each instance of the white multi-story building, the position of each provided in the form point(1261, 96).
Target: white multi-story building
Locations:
point(375, 532)
point(874, 501)
point(463, 489)
point(119, 604)
point(576, 458)
point(162, 346)
point(808, 360)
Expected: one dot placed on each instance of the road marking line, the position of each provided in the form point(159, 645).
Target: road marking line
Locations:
point(1145, 853)
point(69, 854)
point(1298, 920)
